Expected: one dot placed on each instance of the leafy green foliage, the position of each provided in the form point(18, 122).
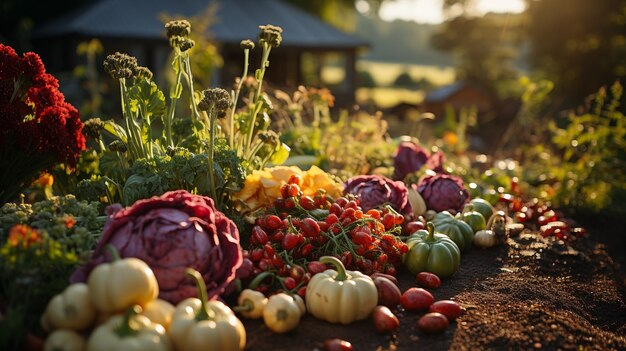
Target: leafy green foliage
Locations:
point(353, 144)
point(53, 216)
point(146, 99)
point(33, 271)
point(182, 169)
point(593, 147)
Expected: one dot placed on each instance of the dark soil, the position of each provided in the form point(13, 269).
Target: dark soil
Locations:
point(532, 293)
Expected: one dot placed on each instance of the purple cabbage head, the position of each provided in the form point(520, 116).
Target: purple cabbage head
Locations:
point(409, 158)
point(443, 192)
point(375, 190)
point(170, 233)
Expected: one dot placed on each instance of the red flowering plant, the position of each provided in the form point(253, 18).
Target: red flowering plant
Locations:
point(38, 128)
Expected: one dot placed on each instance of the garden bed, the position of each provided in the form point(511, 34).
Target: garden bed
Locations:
point(532, 293)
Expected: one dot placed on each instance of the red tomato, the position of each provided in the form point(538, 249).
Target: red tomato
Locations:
point(362, 238)
point(432, 323)
point(448, 308)
point(428, 280)
point(315, 267)
point(337, 345)
point(307, 203)
point(416, 299)
point(412, 227)
point(273, 222)
point(290, 283)
point(259, 236)
point(384, 320)
point(290, 240)
point(310, 227)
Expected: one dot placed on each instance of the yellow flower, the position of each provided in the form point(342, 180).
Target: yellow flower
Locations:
point(263, 187)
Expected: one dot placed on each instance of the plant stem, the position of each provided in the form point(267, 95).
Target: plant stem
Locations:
point(204, 313)
point(244, 75)
point(126, 329)
point(212, 118)
point(257, 97)
point(113, 251)
point(341, 270)
point(173, 99)
point(189, 77)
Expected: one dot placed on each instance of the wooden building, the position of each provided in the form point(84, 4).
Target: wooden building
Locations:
point(135, 27)
point(456, 96)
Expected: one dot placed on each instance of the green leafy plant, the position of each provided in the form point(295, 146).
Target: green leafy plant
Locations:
point(593, 149)
point(354, 143)
point(45, 239)
point(205, 149)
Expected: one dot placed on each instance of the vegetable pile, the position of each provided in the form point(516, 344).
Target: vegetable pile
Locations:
point(289, 238)
point(118, 309)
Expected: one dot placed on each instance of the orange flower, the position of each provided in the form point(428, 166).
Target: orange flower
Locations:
point(21, 234)
point(69, 221)
point(450, 138)
point(44, 180)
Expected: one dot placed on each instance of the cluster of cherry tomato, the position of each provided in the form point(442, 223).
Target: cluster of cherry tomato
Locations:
point(538, 215)
point(290, 237)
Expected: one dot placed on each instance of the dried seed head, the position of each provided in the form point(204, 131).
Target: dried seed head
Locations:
point(120, 65)
point(143, 72)
point(92, 128)
point(216, 98)
point(186, 44)
point(269, 137)
point(118, 146)
point(247, 44)
point(271, 35)
point(178, 28)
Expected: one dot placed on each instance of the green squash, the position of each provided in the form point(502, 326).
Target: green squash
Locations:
point(430, 252)
point(483, 206)
point(457, 230)
point(473, 218)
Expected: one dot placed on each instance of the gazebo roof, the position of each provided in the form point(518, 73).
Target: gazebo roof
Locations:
point(236, 20)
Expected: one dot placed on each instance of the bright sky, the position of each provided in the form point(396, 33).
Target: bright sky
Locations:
point(430, 11)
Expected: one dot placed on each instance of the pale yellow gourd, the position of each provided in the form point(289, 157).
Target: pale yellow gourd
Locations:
point(251, 304)
point(122, 283)
point(159, 311)
point(201, 325)
point(71, 309)
point(129, 332)
point(64, 340)
point(282, 313)
point(340, 296)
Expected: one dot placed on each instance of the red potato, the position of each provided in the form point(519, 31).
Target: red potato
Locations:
point(337, 345)
point(388, 292)
point(416, 299)
point(448, 308)
point(384, 320)
point(433, 323)
point(388, 276)
point(428, 280)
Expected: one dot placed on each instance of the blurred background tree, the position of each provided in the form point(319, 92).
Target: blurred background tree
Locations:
point(485, 49)
point(339, 13)
point(580, 45)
